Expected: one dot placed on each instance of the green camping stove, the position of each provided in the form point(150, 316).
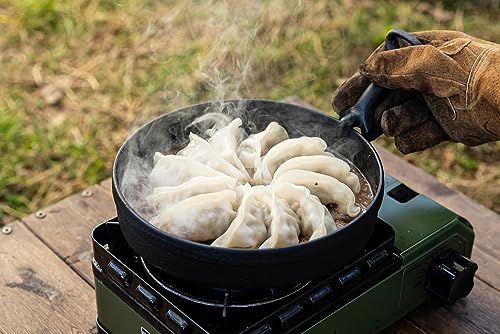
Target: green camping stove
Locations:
point(419, 251)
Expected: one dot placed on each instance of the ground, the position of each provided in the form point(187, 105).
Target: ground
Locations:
point(78, 76)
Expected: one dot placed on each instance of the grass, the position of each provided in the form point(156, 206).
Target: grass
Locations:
point(78, 76)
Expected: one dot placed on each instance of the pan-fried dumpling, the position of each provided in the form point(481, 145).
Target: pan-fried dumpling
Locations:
point(327, 188)
point(172, 170)
point(284, 228)
point(314, 218)
point(199, 218)
point(324, 164)
point(284, 151)
point(352, 181)
point(226, 140)
point(163, 197)
point(200, 150)
point(255, 146)
point(249, 228)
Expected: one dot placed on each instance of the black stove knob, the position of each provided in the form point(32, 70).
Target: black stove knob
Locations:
point(147, 298)
point(180, 324)
point(450, 276)
point(290, 314)
point(118, 274)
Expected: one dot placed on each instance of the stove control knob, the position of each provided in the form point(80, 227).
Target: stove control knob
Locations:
point(179, 323)
point(450, 276)
point(118, 274)
point(290, 314)
point(147, 298)
point(320, 295)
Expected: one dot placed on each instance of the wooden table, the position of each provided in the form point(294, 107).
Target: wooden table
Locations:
point(46, 283)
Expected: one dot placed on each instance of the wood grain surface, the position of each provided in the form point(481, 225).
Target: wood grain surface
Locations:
point(67, 226)
point(39, 293)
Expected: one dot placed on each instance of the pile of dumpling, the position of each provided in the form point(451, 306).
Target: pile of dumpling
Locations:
point(267, 191)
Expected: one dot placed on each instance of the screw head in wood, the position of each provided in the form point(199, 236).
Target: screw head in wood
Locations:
point(87, 193)
point(6, 230)
point(40, 214)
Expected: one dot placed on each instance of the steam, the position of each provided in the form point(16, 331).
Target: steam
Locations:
point(224, 77)
point(209, 123)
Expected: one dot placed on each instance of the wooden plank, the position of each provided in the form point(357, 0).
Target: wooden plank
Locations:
point(67, 226)
point(486, 222)
point(489, 268)
point(106, 185)
point(39, 293)
point(82, 264)
point(478, 313)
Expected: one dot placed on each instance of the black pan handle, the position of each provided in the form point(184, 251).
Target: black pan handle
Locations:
point(361, 114)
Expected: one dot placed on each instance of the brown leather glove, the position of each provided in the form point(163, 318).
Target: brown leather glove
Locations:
point(446, 89)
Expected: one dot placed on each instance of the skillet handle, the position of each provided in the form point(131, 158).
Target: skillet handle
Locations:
point(361, 114)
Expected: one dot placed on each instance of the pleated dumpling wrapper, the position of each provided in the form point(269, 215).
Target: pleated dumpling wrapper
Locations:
point(226, 141)
point(323, 164)
point(199, 218)
point(328, 189)
point(249, 228)
point(314, 218)
point(255, 146)
point(163, 197)
point(200, 150)
point(284, 228)
point(173, 170)
point(284, 151)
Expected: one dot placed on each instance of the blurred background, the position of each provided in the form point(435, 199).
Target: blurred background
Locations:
point(76, 77)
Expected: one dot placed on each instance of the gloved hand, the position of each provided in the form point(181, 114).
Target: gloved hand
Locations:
point(446, 89)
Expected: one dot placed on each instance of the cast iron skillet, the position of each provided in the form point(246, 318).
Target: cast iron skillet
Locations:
point(236, 268)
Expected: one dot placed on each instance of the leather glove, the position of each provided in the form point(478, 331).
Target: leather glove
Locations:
point(445, 89)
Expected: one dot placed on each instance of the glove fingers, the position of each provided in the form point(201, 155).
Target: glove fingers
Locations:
point(439, 37)
point(420, 137)
point(423, 68)
point(349, 92)
point(403, 117)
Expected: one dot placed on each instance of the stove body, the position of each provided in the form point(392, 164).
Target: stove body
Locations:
point(418, 252)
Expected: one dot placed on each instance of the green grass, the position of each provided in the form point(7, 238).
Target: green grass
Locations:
point(78, 76)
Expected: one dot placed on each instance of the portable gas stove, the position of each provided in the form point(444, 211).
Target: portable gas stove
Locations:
point(418, 252)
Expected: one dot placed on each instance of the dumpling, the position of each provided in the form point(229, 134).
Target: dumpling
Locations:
point(324, 164)
point(314, 218)
point(255, 146)
point(284, 228)
point(163, 197)
point(284, 151)
point(172, 170)
point(200, 150)
point(352, 181)
point(249, 228)
point(225, 141)
point(327, 188)
point(199, 218)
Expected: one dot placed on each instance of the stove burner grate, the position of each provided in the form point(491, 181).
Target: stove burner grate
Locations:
point(219, 297)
